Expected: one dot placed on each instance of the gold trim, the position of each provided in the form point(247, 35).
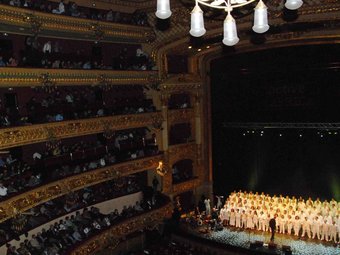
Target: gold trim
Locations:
point(182, 151)
point(32, 198)
point(186, 186)
point(30, 77)
point(181, 115)
point(17, 136)
point(148, 220)
point(15, 19)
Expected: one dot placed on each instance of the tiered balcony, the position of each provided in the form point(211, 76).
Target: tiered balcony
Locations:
point(41, 194)
point(25, 21)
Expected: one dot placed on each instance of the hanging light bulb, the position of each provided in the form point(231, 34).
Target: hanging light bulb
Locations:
point(197, 22)
point(293, 4)
point(230, 37)
point(163, 9)
point(261, 18)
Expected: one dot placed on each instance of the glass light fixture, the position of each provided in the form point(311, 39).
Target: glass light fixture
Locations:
point(197, 22)
point(293, 4)
point(261, 18)
point(230, 37)
point(163, 9)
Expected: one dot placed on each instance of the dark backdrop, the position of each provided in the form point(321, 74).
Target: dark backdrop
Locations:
point(296, 84)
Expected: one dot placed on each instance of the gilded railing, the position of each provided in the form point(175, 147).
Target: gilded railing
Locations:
point(181, 115)
point(182, 151)
point(17, 136)
point(148, 220)
point(30, 77)
point(34, 197)
point(25, 21)
point(186, 186)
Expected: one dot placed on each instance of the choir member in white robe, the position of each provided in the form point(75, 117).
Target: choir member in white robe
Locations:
point(282, 223)
point(306, 227)
point(243, 219)
point(325, 230)
point(316, 224)
point(255, 221)
point(333, 232)
point(289, 224)
point(238, 218)
point(223, 215)
point(297, 225)
point(232, 221)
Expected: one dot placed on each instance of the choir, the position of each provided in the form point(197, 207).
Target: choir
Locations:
point(305, 218)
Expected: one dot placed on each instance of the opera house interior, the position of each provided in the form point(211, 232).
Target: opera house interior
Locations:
point(169, 127)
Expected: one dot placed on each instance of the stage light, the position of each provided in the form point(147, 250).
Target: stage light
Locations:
point(321, 135)
point(335, 133)
point(329, 133)
point(280, 134)
point(300, 135)
point(253, 132)
point(248, 131)
point(262, 132)
point(244, 134)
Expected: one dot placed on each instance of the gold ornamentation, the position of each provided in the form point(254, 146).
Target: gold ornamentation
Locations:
point(71, 27)
point(23, 202)
point(181, 116)
point(148, 220)
point(26, 77)
point(16, 136)
point(182, 151)
point(186, 186)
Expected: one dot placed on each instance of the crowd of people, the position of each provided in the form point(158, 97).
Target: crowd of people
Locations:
point(314, 219)
point(18, 176)
point(61, 236)
point(60, 206)
point(68, 104)
point(72, 9)
point(51, 54)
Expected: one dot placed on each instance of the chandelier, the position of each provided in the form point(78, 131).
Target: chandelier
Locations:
point(230, 37)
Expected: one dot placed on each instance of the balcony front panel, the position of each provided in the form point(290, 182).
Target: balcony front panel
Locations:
point(20, 203)
point(25, 21)
point(181, 115)
point(186, 186)
point(182, 151)
point(17, 136)
point(31, 77)
point(149, 220)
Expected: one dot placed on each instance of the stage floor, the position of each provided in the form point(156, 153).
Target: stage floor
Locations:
point(243, 238)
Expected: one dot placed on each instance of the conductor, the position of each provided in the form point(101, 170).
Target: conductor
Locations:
point(272, 225)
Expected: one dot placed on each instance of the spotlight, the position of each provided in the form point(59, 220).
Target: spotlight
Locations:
point(321, 135)
point(335, 133)
point(280, 134)
point(199, 49)
point(208, 47)
point(253, 132)
point(244, 134)
point(261, 135)
point(262, 132)
point(248, 131)
point(189, 47)
point(329, 133)
point(300, 135)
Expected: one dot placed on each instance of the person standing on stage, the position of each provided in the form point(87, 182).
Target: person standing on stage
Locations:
point(333, 232)
point(232, 221)
point(325, 230)
point(316, 227)
point(243, 219)
point(297, 225)
point(219, 202)
point(207, 207)
point(238, 218)
point(272, 225)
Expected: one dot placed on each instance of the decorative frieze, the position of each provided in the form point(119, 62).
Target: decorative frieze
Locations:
point(25, 21)
point(31, 77)
point(186, 186)
point(17, 136)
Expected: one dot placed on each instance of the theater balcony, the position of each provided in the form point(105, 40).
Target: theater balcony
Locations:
point(27, 21)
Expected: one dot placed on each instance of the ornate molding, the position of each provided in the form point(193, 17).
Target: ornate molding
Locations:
point(18, 20)
point(30, 77)
point(182, 151)
point(17, 136)
point(32, 198)
point(181, 83)
point(186, 186)
point(148, 220)
point(181, 116)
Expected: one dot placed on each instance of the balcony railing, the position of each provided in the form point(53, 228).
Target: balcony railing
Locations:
point(182, 151)
point(176, 116)
point(186, 185)
point(148, 220)
point(39, 195)
point(30, 77)
point(25, 21)
point(17, 136)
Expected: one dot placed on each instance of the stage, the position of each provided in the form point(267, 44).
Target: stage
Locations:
point(243, 239)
